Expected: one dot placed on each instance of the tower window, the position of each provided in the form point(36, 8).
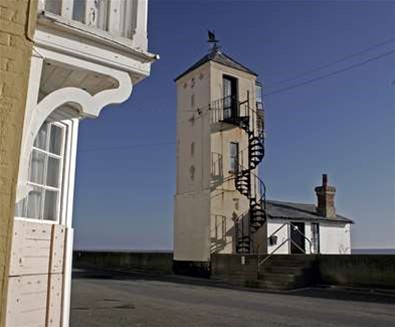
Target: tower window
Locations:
point(192, 148)
point(193, 100)
point(234, 156)
point(230, 97)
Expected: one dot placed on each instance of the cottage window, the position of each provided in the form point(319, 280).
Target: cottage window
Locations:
point(45, 174)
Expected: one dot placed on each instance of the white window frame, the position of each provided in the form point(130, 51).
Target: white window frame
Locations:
point(62, 159)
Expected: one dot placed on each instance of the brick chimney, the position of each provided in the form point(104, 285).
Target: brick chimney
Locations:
point(326, 199)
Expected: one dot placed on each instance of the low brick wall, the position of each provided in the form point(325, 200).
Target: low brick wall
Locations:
point(158, 262)
point(358, 270)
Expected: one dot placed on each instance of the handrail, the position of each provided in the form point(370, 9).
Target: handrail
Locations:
point(288, 239)
point(277, 230)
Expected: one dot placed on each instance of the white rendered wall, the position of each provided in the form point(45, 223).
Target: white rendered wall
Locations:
point(282, 236)
point(335, 238)
point(225, 199)
point(192, 205)
point(204, 212)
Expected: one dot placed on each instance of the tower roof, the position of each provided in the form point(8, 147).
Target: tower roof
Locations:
point(218, 56)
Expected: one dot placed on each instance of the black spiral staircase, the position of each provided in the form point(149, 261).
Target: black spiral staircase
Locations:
point(246, 181)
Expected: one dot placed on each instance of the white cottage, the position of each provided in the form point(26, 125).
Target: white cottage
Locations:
point(295, 228)
point(87, 55)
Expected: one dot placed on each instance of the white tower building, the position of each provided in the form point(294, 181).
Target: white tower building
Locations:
point(220, 200)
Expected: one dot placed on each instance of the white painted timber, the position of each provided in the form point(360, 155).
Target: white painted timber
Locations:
point(31, 246)
point(54, 302)
point(27, 301)
point(57, 249)
point(67, 9)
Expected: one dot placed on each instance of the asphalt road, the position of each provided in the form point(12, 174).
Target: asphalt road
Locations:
point(102, 300)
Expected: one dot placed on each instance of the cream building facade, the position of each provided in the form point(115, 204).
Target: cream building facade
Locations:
point(220, 201)
point(87, 54)
point(219, 146)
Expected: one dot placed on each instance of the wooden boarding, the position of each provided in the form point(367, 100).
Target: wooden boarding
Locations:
point(54, 307)
point(27, 301)
point(57, 249)
point(36, 275)
point(31, 246)
point(37, 248)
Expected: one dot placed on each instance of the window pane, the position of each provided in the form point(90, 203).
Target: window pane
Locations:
point(102, 19)
point(34, 203)
point(79, 10)
point(53, 172)
point(41, 138)
point(54, 6)
point(50, 205)
point(55, 142)
point(37, 165)
point(258, 93)
point(234, 149)
point(20, 208)
point(234, 155)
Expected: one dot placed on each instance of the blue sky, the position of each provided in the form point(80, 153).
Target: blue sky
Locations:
point(342, 125)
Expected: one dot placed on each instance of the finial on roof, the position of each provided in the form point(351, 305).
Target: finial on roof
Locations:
point(213, 40)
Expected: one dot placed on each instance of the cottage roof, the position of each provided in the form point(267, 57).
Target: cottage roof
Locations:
point(299, 211)
point(218, 56)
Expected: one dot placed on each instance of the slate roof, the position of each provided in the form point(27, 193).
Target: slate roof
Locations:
point(218, 56)
point(299, 211)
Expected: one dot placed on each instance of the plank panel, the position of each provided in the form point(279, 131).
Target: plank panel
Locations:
point(54, 308)
point(57, 249)
point(31, 246)
point(27, 301)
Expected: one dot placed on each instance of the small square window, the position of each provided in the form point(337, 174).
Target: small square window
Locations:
point(53, 172)
point(50, 205)
point(193, 100)
point(34, 203)
point(55, 142)
point(41, 138)
point(37, 167)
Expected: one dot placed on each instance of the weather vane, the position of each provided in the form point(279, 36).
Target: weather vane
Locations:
point(213, 40)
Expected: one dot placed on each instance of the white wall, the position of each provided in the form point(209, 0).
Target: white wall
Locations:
point(335, 238)
point(282, 235)
point(192, 200)
point(204, 213)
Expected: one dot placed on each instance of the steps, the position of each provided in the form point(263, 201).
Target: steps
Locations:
point(287, 271)
point(280, 272)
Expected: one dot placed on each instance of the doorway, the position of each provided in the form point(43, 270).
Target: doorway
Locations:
point(230, 97)
point(315, 237)
point(297, 237)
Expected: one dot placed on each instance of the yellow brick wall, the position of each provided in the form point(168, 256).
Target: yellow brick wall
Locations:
point(17, 23)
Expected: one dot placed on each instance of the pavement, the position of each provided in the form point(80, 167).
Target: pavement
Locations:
point(102, 299)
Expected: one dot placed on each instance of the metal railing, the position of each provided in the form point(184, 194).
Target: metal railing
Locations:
point(287, 240)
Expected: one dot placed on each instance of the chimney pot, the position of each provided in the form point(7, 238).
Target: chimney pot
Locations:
point(324, 180)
